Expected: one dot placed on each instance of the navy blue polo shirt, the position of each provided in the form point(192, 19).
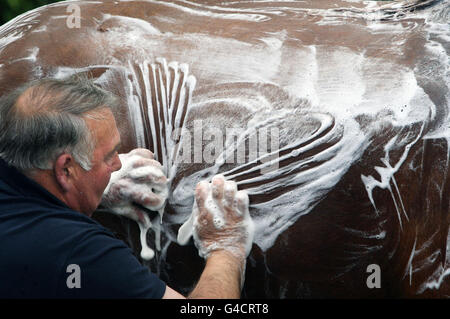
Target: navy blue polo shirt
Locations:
point(48, 250)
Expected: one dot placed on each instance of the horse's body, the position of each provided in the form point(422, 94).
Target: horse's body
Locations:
point(352, 96)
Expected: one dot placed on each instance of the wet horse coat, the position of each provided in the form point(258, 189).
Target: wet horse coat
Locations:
point(333, 115)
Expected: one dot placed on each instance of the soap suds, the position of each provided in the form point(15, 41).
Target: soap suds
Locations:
point(229, 241)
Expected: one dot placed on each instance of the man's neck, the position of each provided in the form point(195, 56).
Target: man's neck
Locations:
point(46, 179)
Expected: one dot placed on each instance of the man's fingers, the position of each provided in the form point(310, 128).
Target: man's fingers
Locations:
point(142, 152)
point(218, 183)
point(242, 203)
point(148, 174)
point(201, 193)
point(150, 195)
point(141, 161)
point(230, 189)
point(148, 200)
point(131, 212)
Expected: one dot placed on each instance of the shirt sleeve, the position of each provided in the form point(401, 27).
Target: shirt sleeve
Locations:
point(108, 269)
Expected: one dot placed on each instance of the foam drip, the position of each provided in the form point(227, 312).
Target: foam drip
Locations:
point(387, 175)
point(158, 102)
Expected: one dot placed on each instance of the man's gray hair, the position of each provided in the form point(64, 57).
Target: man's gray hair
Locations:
point(45, 118)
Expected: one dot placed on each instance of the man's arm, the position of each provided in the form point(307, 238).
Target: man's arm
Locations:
point(223, 233)
point(220, 279)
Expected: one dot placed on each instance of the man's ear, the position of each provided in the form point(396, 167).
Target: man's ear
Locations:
point(63, 170)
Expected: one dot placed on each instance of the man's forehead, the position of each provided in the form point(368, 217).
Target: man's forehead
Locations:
point(102, 126)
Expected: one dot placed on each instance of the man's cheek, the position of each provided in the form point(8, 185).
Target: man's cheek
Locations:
point(106, 180)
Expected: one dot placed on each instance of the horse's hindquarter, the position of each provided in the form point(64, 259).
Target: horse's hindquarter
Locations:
point(355, 97)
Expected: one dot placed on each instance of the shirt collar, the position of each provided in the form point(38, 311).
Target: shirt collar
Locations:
point(25, 186)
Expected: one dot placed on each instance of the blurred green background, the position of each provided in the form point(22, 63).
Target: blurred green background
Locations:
point(10, 9)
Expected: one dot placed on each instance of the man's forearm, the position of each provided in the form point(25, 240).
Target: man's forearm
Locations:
point(221, 277)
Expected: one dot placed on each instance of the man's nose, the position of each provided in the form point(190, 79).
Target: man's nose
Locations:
point(117, 163)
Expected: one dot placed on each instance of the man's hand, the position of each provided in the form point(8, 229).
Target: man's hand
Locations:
point(223, 233)
point(140, 182)
point(221, 219)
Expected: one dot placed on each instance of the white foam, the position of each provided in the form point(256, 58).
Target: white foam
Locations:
point(32, 57)
point(42, 28)
point(435, 281)
point(125, 24)
point(146, 252)
point(17, 27)
point(387, 179)
point(229, 242)
point(213, 12)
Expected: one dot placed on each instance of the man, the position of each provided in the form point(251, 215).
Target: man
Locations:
point(58, 148)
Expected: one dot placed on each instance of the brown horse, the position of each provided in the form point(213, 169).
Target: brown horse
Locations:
point(333, 115)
